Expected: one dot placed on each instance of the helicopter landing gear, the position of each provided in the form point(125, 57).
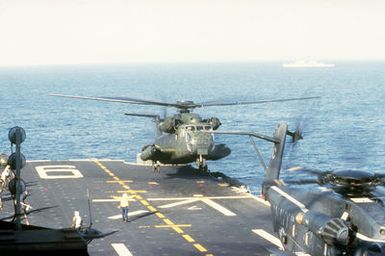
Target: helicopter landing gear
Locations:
point(201, 162)
point(156, 166)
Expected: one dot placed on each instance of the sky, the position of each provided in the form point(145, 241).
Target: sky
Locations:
point(41, 32)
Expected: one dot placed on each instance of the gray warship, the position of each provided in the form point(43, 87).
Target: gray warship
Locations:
point(177, 211)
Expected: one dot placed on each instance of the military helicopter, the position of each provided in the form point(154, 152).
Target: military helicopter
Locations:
point(184, 137)
point(343, 215)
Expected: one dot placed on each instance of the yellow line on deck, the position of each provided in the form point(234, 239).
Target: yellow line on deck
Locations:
point(188, 238)
point(131, 191)
point(151, 208)
point(160, 215)
point(173, 226)
point(170, 224)
point(200, 248)
point(144, 202)
point(118, 181)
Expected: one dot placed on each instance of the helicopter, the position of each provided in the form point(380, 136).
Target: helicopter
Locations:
point(343, 215)
point(184, 137)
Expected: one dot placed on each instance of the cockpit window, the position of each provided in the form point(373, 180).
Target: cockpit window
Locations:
point(190, 128)
point(193, 128)
point(199, 128)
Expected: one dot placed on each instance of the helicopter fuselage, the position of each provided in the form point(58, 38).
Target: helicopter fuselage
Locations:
point(322, 222)
point(188, 144)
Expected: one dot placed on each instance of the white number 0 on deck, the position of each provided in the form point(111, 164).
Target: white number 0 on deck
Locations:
point(58, 172)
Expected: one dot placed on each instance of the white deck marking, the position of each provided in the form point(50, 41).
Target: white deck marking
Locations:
point(121, 249)
point(179, 203)
point(119, 216)
point(199, 197)
point(104, 200)
point(194, 208)
point(53, 171)
point(267, 236)
point(109, 200)
point(218, 207)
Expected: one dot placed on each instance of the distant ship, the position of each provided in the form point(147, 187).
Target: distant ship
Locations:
point(307, 64)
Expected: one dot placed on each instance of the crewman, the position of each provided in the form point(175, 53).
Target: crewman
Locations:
point(6, 175)
point(25, 207)
point(124, 206)
point(77, 220)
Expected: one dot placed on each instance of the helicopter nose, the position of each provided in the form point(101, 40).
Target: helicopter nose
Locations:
point(201, 143)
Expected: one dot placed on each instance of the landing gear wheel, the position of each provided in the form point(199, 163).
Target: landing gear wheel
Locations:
point(203, 168)
point(202, 164)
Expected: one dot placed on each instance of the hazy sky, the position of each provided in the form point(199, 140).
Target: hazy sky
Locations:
point(120, 31)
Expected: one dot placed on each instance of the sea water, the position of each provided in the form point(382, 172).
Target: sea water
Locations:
point(344, 129)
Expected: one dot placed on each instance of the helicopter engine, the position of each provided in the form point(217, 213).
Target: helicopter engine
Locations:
point(149, 152)
point(332, 230)
point(214, 122)
point(170, 124)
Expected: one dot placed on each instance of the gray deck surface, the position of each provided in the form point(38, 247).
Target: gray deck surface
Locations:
point(175, 212)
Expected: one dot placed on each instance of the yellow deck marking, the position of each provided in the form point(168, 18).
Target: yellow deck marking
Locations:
point(160, 215)
point(173, 226)
point(170, 224)
point(188, 238)
point(178, 230)
point(119, 181)
point(117, 198)
point(151, 208)
point(144, 202)
point(200, 248)
point(131, 191)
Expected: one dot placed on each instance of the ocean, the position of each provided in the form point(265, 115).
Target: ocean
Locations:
point(344, 129)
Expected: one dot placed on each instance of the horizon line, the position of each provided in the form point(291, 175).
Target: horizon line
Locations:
point(179, 62)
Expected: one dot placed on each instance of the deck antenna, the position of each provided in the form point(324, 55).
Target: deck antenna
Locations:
point(89, 207)
point(17, 161)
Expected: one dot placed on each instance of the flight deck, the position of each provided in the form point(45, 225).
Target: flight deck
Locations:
point(177, 211)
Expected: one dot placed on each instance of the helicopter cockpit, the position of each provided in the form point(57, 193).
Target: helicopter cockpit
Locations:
point(194, 128)
point(197, 135)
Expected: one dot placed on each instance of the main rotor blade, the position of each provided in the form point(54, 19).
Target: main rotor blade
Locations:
point(302, 181)
point(305, 169)
point(280, 182)
point(180, 105)
point(119, 100)
point(253, 102)
point(143, 115)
